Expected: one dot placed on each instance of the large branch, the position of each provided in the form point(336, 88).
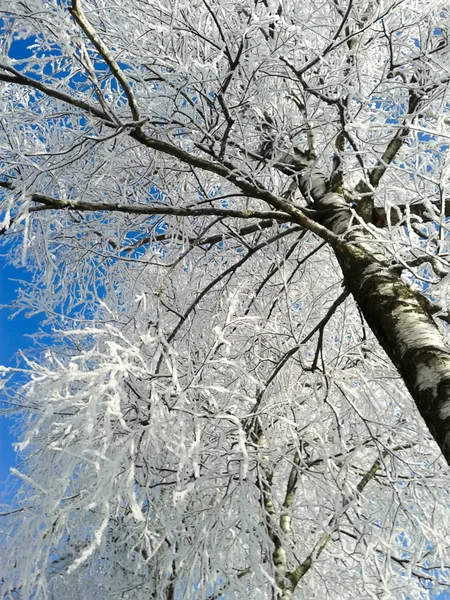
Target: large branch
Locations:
point(207, 241)
point(382, 217)
point(155, 209)
point(224, 169)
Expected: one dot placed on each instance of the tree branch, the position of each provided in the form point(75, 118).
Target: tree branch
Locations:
point(20, 79)
point(77, 14)
point(54, 203)
point(207, 241)
point(296, 575)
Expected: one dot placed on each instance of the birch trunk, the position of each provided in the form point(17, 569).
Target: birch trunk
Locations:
point(400, 319)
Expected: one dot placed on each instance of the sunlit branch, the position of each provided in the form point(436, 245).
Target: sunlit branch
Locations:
point(77, 14)
point(87, 64)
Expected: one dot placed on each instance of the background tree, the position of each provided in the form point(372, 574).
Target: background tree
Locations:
point(235, 219)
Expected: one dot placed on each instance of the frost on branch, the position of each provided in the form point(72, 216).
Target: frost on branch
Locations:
point(163, 459)
point(222, 206)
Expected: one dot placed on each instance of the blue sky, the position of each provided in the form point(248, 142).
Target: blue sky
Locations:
point(12, 332)
point(13, 336)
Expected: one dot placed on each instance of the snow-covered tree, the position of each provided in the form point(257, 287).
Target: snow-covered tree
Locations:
point(234, 218)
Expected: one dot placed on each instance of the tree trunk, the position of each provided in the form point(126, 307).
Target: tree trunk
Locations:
point(400, 319)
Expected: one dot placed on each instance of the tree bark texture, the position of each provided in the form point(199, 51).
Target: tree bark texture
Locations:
point(400, 319)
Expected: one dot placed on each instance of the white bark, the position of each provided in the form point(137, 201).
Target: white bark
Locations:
point(401, 321)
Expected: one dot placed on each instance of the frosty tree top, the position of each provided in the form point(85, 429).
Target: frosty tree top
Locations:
point(235, 217)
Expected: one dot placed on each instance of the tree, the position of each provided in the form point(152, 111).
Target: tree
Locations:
point(234, 216)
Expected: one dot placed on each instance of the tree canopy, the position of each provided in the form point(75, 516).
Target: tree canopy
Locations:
point(234, 216)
